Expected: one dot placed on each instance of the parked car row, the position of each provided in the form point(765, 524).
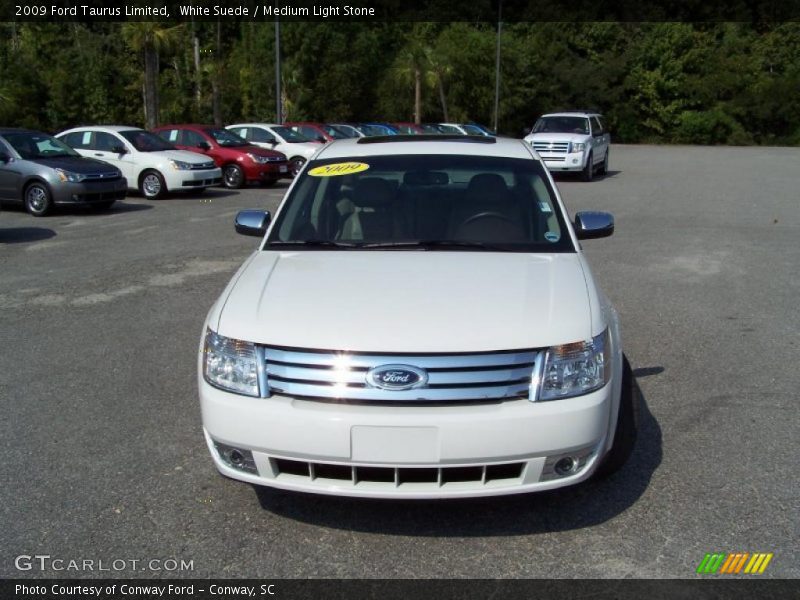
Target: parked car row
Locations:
point(327, 132)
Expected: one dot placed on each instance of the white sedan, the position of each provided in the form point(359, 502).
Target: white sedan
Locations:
point(151, 165)
point(418, 321)
point(297, 148)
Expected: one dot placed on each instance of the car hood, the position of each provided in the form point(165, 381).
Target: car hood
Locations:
point(306, 149)
point(407, 301)
point(182, 155)
point(77, 164)
point(556, 137)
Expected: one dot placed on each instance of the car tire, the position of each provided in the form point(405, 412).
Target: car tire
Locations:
point(296, 164)
point(588, 171)
point(604, 168)
point(151, 185)
point(233, 177)
point(38, 199)
point(627, 425)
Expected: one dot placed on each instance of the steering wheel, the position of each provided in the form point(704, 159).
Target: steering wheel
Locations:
point(487, 215)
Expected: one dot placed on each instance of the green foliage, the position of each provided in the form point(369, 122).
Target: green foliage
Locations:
point(705, 83)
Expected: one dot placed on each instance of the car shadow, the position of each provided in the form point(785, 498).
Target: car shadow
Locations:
point(21, 235)
point(209, 194)
point(583, 505)
point(567, 176)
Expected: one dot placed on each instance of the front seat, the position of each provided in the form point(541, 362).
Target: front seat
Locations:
point(487, 213)
point(373, 217)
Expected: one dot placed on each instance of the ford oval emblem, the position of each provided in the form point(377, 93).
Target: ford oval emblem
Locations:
point(396, 377)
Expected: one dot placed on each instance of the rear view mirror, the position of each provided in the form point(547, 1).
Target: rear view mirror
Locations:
point(4, 158)
point(589, 225)
point(119, 150)
point(204, 146)
point(252, 222)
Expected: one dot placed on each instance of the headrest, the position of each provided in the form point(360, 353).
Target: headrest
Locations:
point(487, 187)
point(372, 191)
point(415, 178)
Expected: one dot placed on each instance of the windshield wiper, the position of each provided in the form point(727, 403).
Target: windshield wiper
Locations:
point(435, 245)
point(313, 244)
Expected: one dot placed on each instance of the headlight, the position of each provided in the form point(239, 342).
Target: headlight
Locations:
point(576, 369)
point(69, 176)
point(179, 165)
point(258, 159)
point(578, 147)
point(230, 364)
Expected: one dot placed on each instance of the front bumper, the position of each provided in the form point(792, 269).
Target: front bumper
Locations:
point(267, 171)
point(575, 161)
point(89, 192)
point(189, 179)
point(385, 451)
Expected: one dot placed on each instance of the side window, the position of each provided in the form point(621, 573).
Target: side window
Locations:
point(260, 135)
point(192, 138)
point(309, 132)
point(105, 142)
point(171, 135)
point(597, 128)
point(242, 132)
point(80, 140)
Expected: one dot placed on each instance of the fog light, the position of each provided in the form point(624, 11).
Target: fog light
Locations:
point(566, 466)
point(237, 458)
point(574, 161)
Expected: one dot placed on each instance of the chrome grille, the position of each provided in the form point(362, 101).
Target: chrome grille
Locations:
point(484, 376)
point(202, 166)
point(551, 147)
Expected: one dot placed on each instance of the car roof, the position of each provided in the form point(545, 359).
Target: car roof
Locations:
point(253, 125)
point(187, 126)
point(106, 128)
point(420, 144)
point(573, 113)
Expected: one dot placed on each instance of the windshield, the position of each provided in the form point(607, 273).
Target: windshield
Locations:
point(289, 135)
point(472, 130)
point(226, 139)
point(333, 132)
point(144, 141)
point(562, 125)
point(449, 129)
point(30, 145)
point(422, 202)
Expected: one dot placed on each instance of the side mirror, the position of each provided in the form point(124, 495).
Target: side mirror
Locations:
point(4, 157)
point(589, 225)
point(272, 141)
point(321, 139)
point(119, 150)
point(252, 222)
point(204, 146)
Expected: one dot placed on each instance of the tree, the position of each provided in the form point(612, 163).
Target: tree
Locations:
point(150, 38)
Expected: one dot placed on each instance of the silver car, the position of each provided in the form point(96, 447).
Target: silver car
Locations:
point(40, 171)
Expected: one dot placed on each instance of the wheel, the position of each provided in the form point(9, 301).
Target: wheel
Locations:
point(296, 164)
point(604, 168)
point(233, 176)
point(151, 185)
point(627, 425)
point(38, 200)
point(588, 171)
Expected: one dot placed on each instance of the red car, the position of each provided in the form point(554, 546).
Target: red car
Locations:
point(240, 161)
point(319, 132)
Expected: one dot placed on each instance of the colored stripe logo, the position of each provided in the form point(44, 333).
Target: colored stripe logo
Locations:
point(734, 564)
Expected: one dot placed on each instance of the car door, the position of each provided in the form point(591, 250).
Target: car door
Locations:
point(263, 138)
point(10, 174)
point(197, 142)
point(599, 140)
point(105, 146)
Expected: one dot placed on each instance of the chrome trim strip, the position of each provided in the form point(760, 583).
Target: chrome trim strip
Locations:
point(536, 377)
point(261, 371)
point(344, 392)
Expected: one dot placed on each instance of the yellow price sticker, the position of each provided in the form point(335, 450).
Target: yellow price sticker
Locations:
point(338, 169)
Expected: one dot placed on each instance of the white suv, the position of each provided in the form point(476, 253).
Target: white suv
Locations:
point(151, 165)
point(297, 148)
point(572, 141)
point(419, 321)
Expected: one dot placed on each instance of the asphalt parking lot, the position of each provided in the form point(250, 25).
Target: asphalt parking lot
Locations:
point(104, 459)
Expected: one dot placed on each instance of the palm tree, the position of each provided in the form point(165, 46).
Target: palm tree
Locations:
point(150, 38)
point(440, 69)
point(410, 67)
